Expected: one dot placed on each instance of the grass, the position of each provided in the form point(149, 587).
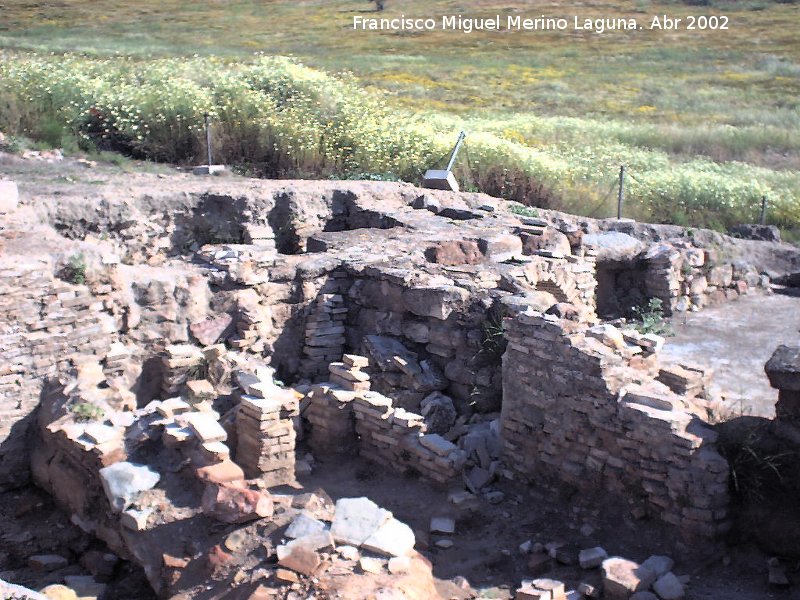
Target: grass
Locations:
point(705, 121)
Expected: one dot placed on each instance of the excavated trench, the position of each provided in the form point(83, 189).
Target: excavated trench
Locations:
point(298, 280)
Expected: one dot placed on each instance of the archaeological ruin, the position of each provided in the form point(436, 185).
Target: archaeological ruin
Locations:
point(175, 351)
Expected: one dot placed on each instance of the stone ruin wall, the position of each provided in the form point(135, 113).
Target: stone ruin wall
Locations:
point(577, 411)
point(689, 278)
point(683, 276)
point(47, 325)
point(562, 412)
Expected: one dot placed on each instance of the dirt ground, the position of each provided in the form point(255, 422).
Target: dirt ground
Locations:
point(486, 543)
point(487, 539)
point(31, 524)
point(736, 339)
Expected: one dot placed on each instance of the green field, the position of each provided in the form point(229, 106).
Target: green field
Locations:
point(706, 121)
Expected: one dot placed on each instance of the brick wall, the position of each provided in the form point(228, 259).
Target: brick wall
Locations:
point(46, 325)
point(580, 412)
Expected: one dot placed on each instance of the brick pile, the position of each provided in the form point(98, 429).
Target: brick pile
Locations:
point(180, 363)
point(576, 409)
point(254, 324)
point(266, 436)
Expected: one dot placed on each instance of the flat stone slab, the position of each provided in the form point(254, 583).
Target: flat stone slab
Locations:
point(98, 433)
point(393, 538)
point(304, 525)
point(614, 246)
point(590, 558)
point(123, 481)
point(207, 428)
point(356, 520)
point(47, 562)
point(443, 525)
point(437, 444)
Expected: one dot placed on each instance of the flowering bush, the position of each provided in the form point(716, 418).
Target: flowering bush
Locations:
point(281, 119)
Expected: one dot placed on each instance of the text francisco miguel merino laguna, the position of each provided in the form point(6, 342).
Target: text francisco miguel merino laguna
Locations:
point(510, 22)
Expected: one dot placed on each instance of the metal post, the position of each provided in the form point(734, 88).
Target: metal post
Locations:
point(208, 137)
point(461, 137)
point(763, 218)
point(621, 194)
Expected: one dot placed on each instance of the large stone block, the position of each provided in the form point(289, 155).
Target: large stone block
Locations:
point(502, 247)
point(783, 369)
point(622, 577)
point(356, 520)
point(436, 302)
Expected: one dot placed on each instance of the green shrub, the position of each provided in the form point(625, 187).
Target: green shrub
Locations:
point(650, 318)
point(86, 411)
point(75, 269)
point(523, 211)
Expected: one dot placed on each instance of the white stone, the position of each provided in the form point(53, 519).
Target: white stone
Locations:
point(312, 541)
point(9, 196)
point(622, 577)
point(356, 519)
point(371, 565)
point(399, 565)
point(208, 170)
point(206, 427)
point(123, 481)
point(608, 334)
point(393, 538)
point(173, 406)
point(443, 525)
point(100, 434)
point(348, 552)
point(304, 525)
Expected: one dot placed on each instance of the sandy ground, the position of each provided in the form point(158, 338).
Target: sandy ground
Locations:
point(736, 339)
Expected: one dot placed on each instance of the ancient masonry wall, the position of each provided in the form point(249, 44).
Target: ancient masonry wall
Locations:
point(579, 412)
point(346, 420)
point(685, 277)
point(47, 326)
point(440, 327)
